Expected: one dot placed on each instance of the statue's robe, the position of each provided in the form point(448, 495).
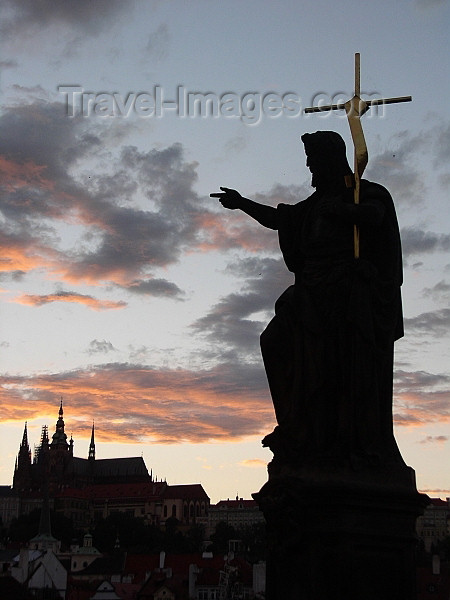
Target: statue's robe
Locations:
point(328, 352)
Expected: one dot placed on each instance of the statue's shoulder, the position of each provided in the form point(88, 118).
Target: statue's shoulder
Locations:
point(298, 207)
point(374, 189)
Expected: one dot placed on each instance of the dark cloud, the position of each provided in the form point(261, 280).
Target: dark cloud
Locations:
point(229, 324)
point(100, 347)
point(27, 16)
point(58, 171)
point(396, 169)
point(418, 380)
point(155, 287)
point(398, 166)
point(8, 64)
point(39, 147)
point(406, 419)
point(418, 241)
point(435, 323)
point(157, 46)
point(12, 275)
point(235, 144)
point(40, 136)
point(439, 292)
point(224, 326)
point(441, 146)
point(265, 276)
point(433, 439)
point(287, 194)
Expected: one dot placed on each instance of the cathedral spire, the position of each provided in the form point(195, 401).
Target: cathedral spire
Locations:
point(25, 437)
point(22, 470)
point(59, 438)
point(41, 451)
point(91, 455)
point(24, 449)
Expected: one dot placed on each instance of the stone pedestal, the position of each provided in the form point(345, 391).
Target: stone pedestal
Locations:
point(341, 534)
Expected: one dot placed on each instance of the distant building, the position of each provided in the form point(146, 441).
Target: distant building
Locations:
point(153, 501)
point(83, 573)
point(433, 526)
point(105, 591)
point(83, 556)
point(9, 505)
point(55, 464)
point(238, 513)
point(88, 489)
point(187, 503)
point(196, 576)
point(164, 577)
point(39, 568)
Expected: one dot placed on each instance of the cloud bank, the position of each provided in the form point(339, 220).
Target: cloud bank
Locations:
point(108, 218)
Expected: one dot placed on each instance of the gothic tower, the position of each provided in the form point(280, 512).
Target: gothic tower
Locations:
point(22, 471)
point(60, 455)
point(91, 455)
point(59, 438)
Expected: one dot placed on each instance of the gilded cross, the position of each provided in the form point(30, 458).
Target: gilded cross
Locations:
point(355, 108)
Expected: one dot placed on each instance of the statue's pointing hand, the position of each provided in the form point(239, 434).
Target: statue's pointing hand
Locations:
point(229, 198)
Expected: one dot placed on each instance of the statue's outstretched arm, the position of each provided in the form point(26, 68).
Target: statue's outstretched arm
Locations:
point(232, 199)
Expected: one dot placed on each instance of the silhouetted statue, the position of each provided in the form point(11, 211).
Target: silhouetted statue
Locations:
point(328, 352)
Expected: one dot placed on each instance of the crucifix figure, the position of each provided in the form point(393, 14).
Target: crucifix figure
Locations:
point(328, 351)
point(355, 108)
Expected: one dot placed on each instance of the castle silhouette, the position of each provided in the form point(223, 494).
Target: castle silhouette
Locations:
point(86, 489)
point(55, 465)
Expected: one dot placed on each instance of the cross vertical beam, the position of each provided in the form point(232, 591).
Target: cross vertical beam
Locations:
point(355, 108)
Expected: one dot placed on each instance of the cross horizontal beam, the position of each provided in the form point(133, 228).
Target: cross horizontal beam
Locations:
point(355, 109)
point(341, 105)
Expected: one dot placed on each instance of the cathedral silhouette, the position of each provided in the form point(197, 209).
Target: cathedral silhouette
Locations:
point(55, 465)
point(87, 489)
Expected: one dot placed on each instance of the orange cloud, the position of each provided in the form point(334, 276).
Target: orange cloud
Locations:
point(17, 259)
point(412, 408)
point(90, 301)
point(254, 463)
point(218, 233)
point(136, 403)
point(16, 175)
point(438, 492)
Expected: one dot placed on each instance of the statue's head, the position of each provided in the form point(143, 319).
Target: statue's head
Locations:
point(326, 158)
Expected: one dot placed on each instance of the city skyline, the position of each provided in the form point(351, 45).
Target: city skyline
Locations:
point(128, 291)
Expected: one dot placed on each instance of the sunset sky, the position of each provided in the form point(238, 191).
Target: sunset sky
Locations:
point(135, 297)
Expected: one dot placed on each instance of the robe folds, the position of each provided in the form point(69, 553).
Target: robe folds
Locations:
point(328, 351)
